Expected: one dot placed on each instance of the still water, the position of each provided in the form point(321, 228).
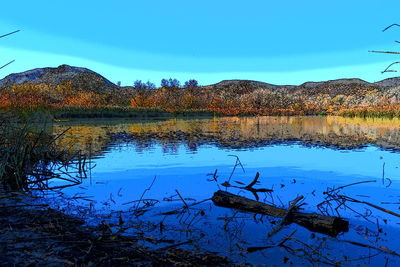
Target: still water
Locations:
point(293, 155)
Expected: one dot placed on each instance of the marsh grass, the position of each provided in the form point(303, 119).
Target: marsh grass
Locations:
point(106, 112)
point(31, 160)
point(47, 114)
point(389, 111)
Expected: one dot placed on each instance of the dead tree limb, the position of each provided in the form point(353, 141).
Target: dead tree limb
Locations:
point(328, 225)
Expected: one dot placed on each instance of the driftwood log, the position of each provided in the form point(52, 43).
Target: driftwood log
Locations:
point(329, 225)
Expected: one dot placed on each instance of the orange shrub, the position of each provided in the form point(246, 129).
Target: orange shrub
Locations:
point(5, 100)
point(188, 101)
point(216, 102)
point(84, 99)
point(141, 101)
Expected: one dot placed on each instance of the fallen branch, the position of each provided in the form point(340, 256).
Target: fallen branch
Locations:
point(329, 225)
point(285, 219)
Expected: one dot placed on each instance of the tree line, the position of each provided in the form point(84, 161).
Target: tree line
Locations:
point(166, 83)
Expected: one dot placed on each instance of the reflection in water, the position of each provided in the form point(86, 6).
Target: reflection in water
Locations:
point(180, 153)
point(329, 131)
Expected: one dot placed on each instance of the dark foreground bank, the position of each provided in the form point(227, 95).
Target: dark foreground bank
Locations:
point(34, 235)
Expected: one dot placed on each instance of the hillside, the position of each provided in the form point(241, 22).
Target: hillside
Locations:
point(83, 78)
point(68, 86)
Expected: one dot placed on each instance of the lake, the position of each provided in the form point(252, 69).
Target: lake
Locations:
point(174, 163)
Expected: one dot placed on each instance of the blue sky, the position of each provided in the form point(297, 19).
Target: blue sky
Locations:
point(283, 42)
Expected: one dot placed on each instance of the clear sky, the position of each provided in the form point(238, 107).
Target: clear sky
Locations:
point(282, 42)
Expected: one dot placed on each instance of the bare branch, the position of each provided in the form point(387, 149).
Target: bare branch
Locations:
point(343, 186)
point(387, 69)
point(1, 36)
point(388, 27)
point(387, 52)
point(7, 64)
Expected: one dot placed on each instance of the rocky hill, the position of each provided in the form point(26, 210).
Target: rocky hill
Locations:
point(332, 87)
point(81, 78)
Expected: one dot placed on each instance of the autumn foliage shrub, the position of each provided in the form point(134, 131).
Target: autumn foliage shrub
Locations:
point(5, 100)
point(375, 111)
point(232, 100)
point(84, 100)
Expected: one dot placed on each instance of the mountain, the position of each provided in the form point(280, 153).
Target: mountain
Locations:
point(82, 78)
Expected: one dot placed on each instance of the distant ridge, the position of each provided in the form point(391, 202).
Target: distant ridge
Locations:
point(390, 82)
point(86, 79)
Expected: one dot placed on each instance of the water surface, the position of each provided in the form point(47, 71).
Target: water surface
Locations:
point(294, 156)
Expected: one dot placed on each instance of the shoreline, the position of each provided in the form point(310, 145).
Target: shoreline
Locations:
point(110, 112)
point(33, 234)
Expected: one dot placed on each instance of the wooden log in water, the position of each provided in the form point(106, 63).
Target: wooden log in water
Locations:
point(329, 225)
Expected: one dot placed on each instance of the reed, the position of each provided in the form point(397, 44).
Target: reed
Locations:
point(106, 112)
point(389, 111)
point(31, 160)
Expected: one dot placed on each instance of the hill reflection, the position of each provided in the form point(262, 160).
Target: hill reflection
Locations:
point(230, 132)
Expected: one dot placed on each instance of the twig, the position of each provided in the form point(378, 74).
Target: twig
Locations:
point(7, 34)
point(369, 204)
point(175, 245)
point(281, 243)
point(177, 210)
point(255, 180)
point(144, 192)
point(390, 26)
point(5, 65)
point(387, 68)
point(386, 52)
point(341, 187)
point(184, 202)
point(237, 163)
point(24, 205)
point(379, 247)
point(250, 187)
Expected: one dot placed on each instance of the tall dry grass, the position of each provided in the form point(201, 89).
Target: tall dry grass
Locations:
point(31, 160)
